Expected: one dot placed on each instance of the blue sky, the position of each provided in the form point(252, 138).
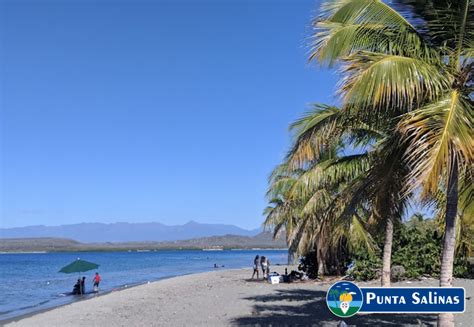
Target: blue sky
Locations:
point(140, 111)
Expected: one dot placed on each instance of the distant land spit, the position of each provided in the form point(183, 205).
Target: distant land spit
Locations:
point(262, 241)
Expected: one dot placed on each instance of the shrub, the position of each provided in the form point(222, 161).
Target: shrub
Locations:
point(367, 266)
point(417, 247)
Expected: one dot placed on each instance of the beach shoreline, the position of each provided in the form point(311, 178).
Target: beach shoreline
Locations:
point(223, 298)
point(77, 299)
point(31, 282)
point(89, 296)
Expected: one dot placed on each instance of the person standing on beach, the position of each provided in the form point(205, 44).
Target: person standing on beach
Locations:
point(83, 285)
point(96, 281)
point(263, 263)
point(256, 262)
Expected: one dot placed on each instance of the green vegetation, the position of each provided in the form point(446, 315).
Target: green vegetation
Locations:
point(406, 94)
point(416, 248)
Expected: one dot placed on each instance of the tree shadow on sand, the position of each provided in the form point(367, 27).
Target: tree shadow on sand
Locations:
point(308, 308)
point(254, 280)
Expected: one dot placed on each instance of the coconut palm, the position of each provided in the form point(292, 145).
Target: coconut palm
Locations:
point(423, 75)
point(310, 231)
point(358, 34)
point(370, 182)
point(378, 185)
point(299, 213)
point(282, 214)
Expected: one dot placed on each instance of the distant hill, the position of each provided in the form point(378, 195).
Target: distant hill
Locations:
point(48, 244)
point(262, 240)
point(126, 232)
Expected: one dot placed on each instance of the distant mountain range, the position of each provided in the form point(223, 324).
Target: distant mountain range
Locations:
point(127, 232)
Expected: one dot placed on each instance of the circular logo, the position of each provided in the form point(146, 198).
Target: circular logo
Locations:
point(344, 299)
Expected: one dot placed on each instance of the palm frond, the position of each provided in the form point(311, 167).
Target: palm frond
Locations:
point(357, 234)
point(313, 133)
point(434, 132)
point(317, 203)
point(363, 12)
point(444, 23)
point(329, 175)
point(389, 81)
point(349, 26)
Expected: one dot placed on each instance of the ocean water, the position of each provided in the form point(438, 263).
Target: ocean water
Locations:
point(31, 282)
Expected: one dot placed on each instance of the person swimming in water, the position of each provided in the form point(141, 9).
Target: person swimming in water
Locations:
point(77, 287)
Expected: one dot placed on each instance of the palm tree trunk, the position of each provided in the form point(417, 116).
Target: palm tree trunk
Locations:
point(291, 256)
point(387, 252)
point(321, 263)
point(447, 259)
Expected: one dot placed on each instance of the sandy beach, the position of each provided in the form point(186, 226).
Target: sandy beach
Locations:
point(223, 298)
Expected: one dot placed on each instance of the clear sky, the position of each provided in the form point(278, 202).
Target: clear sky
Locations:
point(140, 111)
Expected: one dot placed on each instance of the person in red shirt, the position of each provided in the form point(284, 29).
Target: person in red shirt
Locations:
point(96, 280)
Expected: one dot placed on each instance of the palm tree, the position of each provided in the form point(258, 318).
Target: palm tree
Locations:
point(422, 75)
point(377, 186)
point(368, 182)
point(465, 217)
point(282, 212)
point(299, 213)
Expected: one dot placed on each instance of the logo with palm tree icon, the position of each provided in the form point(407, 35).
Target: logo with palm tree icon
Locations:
point(344, 299)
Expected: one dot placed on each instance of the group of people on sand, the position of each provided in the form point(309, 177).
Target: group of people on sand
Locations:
point(80, 286)
point(261, 262)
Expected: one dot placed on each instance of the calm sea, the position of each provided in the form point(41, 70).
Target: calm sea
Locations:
point(30, 282)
